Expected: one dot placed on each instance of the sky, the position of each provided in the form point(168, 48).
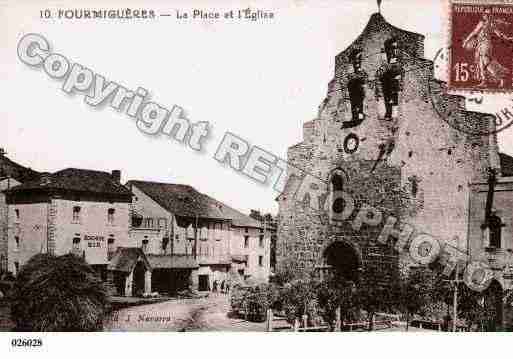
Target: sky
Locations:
point(259, 80)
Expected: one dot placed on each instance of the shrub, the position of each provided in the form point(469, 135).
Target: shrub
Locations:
point(58, 294)
point(299, 297)
point(333, 294)
point(253, 301)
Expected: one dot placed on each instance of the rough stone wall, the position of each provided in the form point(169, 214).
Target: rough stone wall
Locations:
point(424, 175)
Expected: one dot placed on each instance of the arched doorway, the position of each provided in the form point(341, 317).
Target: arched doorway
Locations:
point(343, 260)
point(493, 300)
point(139, 272)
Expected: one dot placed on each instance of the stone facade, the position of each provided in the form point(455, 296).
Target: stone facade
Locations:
point(383, 103)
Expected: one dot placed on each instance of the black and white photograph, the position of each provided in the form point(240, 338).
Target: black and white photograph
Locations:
point(296, 166)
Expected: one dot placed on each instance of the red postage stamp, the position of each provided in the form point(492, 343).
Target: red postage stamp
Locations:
point(481, 47)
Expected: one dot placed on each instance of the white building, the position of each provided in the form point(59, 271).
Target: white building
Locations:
point(191, 238)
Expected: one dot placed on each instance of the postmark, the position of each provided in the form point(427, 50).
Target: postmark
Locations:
point(481, 46)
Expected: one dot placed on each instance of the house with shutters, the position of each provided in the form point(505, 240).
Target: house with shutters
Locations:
point(192, 239)
point(79, 211)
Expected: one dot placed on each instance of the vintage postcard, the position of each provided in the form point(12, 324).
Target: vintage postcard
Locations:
point(232, 166)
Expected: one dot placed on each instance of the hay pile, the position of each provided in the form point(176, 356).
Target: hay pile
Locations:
point(58, 294)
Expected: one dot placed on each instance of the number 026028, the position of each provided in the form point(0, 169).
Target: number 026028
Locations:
point(26, 342)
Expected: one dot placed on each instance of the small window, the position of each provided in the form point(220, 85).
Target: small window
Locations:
point(145, 245)
point(17, 213)
point(76, 214)
point(165, 242)
point(261, 241)
point(246, 230)
point(148, 223)
point(337, 183)
point(246, 241)
point(110, 215)
point(110, 244)
point(76, 244)
point(390, 84)
point(16, 268)
point(17, 240)
point(261, 261)
point(495, 225)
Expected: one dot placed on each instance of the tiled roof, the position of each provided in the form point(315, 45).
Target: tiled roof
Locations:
point(186, 201)
point(9, 168)
point(125, 259)
point(506, 164)
point(172, 261)
point(74, 179)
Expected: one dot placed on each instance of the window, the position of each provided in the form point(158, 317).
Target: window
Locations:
point(162, 223)
point(165, 242)
point(145, 245)
point(390, 85)
point(495, 226)
point(246, 241)
point(17, 214)
point(356, 91)
point(76, 244)
point(246, 230)
point(261, 261)
point(110, 247)
point(261, 241)
point(17, 240)
point(76, 214)
point(16, 268)
point(110, 215)
point(148, 223)
point(337, 185)
point(414, 182)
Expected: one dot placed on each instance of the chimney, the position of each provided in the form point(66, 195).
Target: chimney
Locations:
point(116, 176)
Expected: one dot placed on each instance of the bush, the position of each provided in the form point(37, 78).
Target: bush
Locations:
point(58, 294)
point(299, 297)
point(253, 301)
point(333, 294)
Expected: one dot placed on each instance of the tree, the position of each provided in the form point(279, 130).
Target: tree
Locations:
point(58, 294)
point(334, 293)
point(375, 292)
point(414, 291)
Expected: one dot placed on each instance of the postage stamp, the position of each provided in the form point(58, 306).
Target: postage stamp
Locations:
point(481, 40)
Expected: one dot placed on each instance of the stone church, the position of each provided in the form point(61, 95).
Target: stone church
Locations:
point(388, 134)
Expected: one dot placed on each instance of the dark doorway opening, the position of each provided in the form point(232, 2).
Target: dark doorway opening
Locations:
point(139, 271)
point(203, 283)
point(344, 261)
